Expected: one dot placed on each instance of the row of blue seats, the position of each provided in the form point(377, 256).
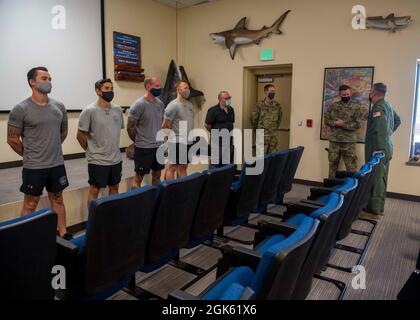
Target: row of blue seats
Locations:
point(288, 255)
point(139, 230)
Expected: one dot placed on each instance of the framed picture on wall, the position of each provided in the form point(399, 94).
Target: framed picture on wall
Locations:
point(360, 79)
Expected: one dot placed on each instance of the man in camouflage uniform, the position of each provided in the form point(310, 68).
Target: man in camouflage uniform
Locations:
point(268, 116)
point(343, 118)
point(383, 121)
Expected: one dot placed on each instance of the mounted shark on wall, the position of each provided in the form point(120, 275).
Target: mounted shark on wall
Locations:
point(391, 22)
point(241, 35)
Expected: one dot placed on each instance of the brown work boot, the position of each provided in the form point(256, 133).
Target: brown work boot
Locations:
point(370, 215)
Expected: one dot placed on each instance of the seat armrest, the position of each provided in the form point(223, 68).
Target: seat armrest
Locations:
point(344, 174)
point(300, 207)
point(329, 183)
point(319, 192)
point(237, 256)
point(180, 295)
point(314, 203)
point(248, 294)
point(273, 228)
point(66, 247)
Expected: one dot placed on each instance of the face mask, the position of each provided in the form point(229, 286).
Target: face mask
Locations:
point(156, 92)
point(271, 95)
point(228, 103)
point(186, 94)
point(345, 99)
point(44, 88)
point(108, 96)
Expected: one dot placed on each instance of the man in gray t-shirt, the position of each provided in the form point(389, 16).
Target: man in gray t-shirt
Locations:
point(36, 129)
point(144, 122)
point(100, 126)
point(179, 117)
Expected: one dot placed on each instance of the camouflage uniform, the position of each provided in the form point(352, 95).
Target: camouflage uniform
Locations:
point(343, 139)
point(268, 116)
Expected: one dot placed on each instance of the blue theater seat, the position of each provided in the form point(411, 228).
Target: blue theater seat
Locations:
point(286, 182)
point(329, 216)
point(245, 193)
point(174, 215)
point(212, 205)
point(272, 180)
point(27, 256)
point(271, 272)
point(102, 261)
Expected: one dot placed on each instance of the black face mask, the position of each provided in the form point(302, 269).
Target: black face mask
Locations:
point(346, 99)
point(108, 96)
point(271, 95)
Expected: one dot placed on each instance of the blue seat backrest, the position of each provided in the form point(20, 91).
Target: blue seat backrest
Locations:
point(250, 187)
point(27, 255)
point(116, 236)
point(292, 165)
point(213, 201)
point(280, 266)
point(273, 176)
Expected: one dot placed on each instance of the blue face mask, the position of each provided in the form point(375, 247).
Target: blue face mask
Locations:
point(156, 92)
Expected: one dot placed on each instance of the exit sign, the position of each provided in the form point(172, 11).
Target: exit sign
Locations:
point(267, 55)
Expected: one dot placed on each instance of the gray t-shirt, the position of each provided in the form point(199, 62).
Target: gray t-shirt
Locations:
point(149, 117)
point(180, 112)
point(41, 132)
point(104, 129)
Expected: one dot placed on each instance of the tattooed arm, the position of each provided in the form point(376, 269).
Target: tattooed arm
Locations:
point(132, 128)
point(64, 132)
point(82, 137)
point(64, 126)
point(13, 139)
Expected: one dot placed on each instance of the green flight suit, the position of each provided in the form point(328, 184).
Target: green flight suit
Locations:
point(343, 139)
point(383, 121)
point(268, 116)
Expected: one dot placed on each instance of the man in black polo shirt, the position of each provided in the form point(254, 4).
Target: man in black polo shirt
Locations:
point(219, 122)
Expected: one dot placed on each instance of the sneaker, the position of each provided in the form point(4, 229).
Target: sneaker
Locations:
point(370, 216)
point(68, 237)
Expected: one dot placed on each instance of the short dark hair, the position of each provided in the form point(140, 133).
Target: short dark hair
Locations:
point(381, 88)
point(99, 84)
point(268, 86)
point(32, 73)
point(344, 87)
point(178, 83)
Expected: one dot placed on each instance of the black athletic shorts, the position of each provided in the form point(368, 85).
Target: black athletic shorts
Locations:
point(146, 160)
point(35, 180)
point(104, 176)
point(174, 153)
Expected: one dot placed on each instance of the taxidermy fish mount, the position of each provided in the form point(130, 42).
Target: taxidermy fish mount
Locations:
point(175, 74)
point(391, 22)
point(241, 35)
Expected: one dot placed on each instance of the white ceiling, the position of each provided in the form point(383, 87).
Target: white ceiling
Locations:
point(183, 3)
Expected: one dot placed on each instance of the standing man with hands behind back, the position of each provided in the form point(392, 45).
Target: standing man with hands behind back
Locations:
point(144, 122)
point(268, 116)
point(100, 126)
point(36, 129)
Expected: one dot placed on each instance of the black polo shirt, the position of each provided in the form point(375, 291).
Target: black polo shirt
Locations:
point(219, 119)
